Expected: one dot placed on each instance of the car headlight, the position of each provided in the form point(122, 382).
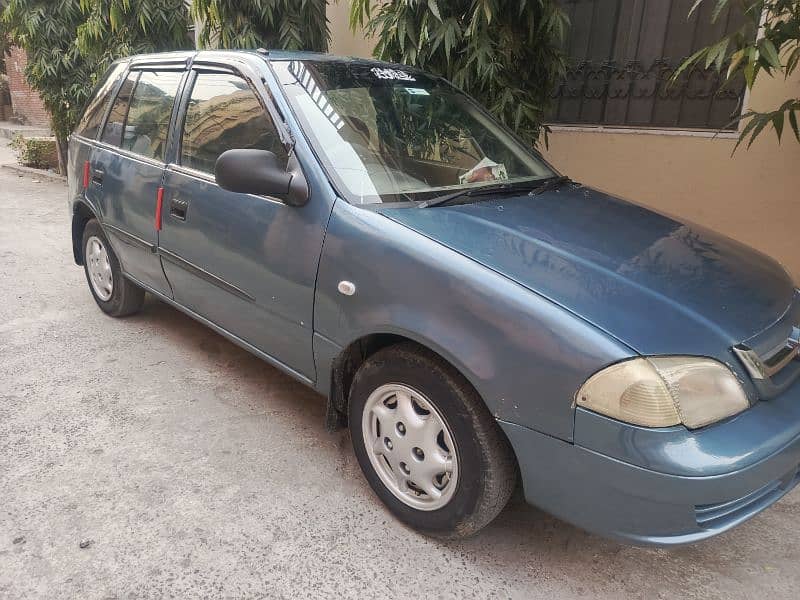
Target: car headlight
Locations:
point(664, 391)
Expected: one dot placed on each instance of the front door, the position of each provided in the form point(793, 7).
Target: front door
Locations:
point(127, 167)
point(246, 263)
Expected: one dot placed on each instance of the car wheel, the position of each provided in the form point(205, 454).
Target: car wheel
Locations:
point(114, 294)
point(427, 444)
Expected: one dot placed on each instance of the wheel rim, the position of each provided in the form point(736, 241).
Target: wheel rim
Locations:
point(410, 446)
point(99, 268)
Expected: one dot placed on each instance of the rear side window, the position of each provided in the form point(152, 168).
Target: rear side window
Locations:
point(112, 132)
point(147, 125)
point(224, 113)
point(93, 115)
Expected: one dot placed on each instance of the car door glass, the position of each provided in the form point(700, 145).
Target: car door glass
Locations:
point(146, 127)
point(93, 115)
point(112, 132)
point(224, 113)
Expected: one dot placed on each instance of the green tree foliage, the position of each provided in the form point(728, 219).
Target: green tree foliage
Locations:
point(286, 24)
point(47, 30)
point(70, 43)
point(115, 28)
point(505, 53)
point(775, 50)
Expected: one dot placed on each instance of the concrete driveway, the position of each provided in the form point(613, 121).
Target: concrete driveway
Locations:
point(191, 469)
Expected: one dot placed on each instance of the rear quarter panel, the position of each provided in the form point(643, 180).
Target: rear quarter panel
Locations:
point(78, 153)
point(524, 355)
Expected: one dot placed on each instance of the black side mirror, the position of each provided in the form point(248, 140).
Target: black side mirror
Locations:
point(258, 172)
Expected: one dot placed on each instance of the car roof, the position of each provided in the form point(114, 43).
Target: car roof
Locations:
point(184, 55)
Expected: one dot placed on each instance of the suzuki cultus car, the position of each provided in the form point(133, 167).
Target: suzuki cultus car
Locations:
point(473, 316)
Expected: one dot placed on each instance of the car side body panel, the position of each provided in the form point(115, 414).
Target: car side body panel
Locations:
point(126, 198)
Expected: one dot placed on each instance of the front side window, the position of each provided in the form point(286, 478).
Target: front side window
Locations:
point(224, 113)
point(93, 115)
point(387, 135)
point(147, 125)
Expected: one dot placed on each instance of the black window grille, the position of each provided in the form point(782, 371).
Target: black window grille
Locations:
point(622, 54)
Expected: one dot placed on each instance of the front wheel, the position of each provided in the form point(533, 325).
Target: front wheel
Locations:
point(427, 443)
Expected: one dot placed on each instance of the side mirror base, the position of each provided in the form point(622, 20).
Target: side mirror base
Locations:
point(298, 194)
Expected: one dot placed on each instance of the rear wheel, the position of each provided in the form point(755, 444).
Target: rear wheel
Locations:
point(114, 294)
point(427, 443)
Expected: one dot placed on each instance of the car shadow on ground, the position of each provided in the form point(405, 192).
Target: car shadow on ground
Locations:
point(520, 530)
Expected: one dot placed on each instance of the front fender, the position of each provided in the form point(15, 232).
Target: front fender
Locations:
point(525, 355)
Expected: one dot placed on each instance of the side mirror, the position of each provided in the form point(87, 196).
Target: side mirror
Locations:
point(258, 172)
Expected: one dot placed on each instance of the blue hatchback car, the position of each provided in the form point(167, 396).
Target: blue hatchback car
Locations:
point(474, 317)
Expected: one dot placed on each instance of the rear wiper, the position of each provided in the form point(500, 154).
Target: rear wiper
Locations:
point(488, 189)
point(550, 183)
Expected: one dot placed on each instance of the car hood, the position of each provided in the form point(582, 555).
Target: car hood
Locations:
point(657, 284)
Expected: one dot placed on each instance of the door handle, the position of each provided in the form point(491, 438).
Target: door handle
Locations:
point(178, 208)
point(97, 176)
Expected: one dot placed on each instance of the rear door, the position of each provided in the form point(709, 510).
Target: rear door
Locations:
point(127, 167)
point(247, 263)
point(83, 138)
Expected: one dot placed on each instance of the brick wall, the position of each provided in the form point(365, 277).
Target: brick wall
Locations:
point(25, 102)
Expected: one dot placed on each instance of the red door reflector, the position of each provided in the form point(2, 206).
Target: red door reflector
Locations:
point(86, 174)
point(159, 203)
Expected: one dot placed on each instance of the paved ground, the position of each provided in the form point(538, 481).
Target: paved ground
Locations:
point(195, 470)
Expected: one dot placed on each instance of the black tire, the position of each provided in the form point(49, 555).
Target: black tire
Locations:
point(487, 467)
point(126, 298)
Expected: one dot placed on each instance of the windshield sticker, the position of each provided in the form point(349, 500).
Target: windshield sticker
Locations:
point(417, 91)
point(381, 73)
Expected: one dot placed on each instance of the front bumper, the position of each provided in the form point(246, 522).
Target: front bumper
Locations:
point(658, 504)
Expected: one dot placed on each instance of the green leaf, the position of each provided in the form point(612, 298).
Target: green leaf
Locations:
point(688, 63)
point(716, 54)
point(777, 123)
point(694, 7)
point(736, 59)
point(434, 9)
point(769, 52)
point(751, 123)
point(721, 4)
point(761, 122)
point(793, 124)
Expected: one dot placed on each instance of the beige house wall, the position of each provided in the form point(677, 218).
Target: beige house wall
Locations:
point(753, 196)
point(343, 41)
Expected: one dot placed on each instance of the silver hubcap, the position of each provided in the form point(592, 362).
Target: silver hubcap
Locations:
point(99, 268)
point(410, 446)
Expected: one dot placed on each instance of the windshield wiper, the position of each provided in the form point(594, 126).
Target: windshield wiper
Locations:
point(550, 183)
point(480, 191)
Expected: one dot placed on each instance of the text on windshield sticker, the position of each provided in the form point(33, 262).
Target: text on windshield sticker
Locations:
point(382, 73)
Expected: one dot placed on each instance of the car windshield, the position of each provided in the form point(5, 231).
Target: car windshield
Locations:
point(386, 134)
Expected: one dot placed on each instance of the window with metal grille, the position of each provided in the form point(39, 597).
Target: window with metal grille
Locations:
point(622, 54)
